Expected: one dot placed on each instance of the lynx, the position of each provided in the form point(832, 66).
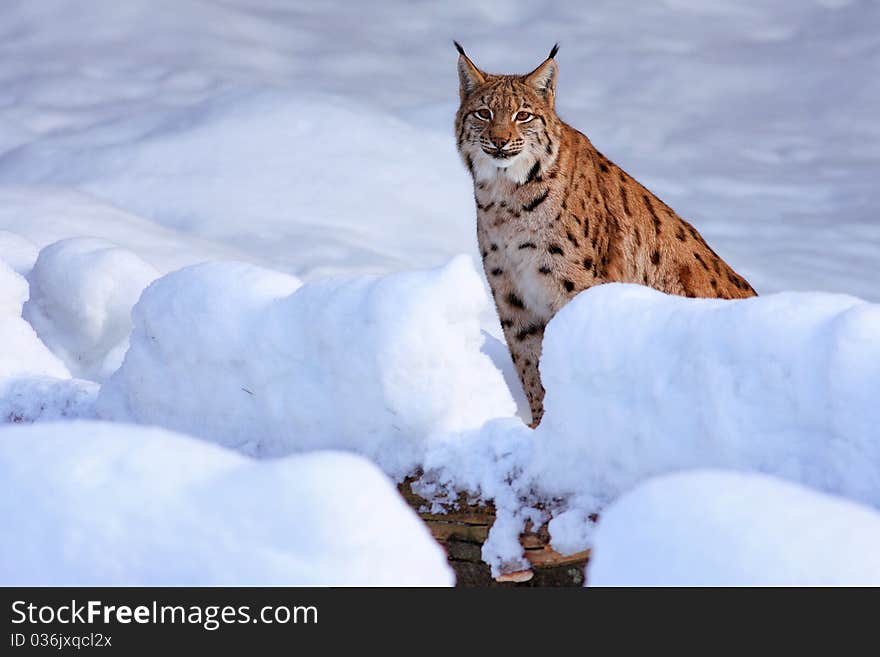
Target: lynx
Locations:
point(555, 216)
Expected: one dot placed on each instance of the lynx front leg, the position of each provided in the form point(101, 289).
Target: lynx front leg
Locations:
point(524, 337)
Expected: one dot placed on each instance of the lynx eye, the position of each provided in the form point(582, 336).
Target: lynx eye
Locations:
point(483, 114)
point(524, 117)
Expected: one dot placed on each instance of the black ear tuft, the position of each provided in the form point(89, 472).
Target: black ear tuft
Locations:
point(459, 48)
point(552, 52)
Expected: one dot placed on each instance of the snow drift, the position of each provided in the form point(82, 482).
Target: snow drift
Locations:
point(81, 294)
point(22, 354)
point(90, 504)
point(261, 170)
point(713, 528)
point(640, 383)
point(36, 217)
point(34, 383)
point(245, 357)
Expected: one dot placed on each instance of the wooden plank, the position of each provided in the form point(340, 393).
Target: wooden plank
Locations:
point(444, 531)
point(463, 530)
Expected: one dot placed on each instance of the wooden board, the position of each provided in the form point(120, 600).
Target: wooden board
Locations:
point(462, 530)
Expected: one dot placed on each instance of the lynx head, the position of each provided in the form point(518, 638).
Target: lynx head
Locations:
point(506, 124)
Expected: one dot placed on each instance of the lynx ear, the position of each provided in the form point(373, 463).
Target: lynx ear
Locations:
point(469, 76)
point(543, 78)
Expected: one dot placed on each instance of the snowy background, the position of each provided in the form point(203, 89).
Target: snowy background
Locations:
point(304, 151)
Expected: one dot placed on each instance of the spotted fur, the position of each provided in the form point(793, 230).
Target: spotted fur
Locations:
point(555, 216)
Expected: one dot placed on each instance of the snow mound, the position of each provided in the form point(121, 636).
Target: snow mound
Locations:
point(261, 169)
point(34, 384)
point(82, 292)
point(238, 355)
point(713, 528)
point(640, 383)
point(90, 504)
point(22, 354)
point(39, 215)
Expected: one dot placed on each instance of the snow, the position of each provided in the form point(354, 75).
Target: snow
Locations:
point(41, 398)
point(247, 358)
point(715, 528)
point(194, 169)
point(97, 504)
point(34, 383)
point(36, 217)
point(304, 150)
point(81, 294)
point(13, 291)
point(640, 383)
point(23, 354)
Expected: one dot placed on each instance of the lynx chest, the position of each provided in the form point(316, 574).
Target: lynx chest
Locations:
point(515, 245)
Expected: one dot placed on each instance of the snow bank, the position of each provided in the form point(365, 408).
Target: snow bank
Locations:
point(712, 528)
point(88, 504)
point(261, 169)
point(238, 355)
point(640, 383)
point(34, 384)
point(35, 216)
point(22, 353)
point(82, 292)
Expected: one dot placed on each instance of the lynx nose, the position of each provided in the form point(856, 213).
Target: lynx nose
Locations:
point(499, 142)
